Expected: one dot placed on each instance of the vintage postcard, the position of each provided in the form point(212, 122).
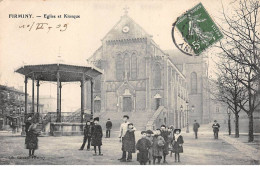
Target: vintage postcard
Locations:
point(120, 82)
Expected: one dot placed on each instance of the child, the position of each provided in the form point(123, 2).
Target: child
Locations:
point(143, 146)
point(129, 141)
point(87, 136)
point(96, 138)
point(177, 144)
point(170, 138)
point(158, 144)
point(165, 134)
point(150, 151)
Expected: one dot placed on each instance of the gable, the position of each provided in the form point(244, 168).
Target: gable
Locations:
point(132, 30)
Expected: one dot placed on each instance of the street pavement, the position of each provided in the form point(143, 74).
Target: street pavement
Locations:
point(64, 151)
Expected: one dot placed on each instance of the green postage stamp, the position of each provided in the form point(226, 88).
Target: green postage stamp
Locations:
point(198, 29)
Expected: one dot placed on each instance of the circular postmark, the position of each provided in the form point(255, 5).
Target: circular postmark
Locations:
point(180, 43)
point(197, 29)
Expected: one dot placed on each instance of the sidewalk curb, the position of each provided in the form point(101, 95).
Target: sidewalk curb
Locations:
point(244, 148)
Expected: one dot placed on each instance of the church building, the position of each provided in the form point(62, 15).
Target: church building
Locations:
point(141, 80)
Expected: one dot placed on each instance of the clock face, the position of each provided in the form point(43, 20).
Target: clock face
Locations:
point(125, 29)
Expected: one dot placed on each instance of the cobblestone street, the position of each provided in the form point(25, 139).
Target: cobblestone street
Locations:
point(64, 150)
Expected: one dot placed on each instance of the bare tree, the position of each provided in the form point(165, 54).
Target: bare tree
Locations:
point(241, 45)
point(242, 34)
point(229, 90)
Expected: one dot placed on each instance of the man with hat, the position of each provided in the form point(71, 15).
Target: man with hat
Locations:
point(196, 126)
point(122, 132)
point(215, 127)
point(96, 138)
point(109, 127)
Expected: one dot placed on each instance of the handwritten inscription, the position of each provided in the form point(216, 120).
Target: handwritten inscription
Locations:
point(41, 25)
point(44, 26)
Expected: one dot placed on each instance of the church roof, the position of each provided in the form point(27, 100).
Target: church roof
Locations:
point(116, 33)
point(179, 58)
point(135, 30)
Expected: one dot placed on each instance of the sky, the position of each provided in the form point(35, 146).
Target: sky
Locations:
point(19, 46)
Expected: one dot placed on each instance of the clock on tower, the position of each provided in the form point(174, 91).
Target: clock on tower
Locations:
point(125, 29)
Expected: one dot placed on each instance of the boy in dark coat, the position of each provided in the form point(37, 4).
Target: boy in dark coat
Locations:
point(109, 127)
point(87, 136)
point(177, 144)
point(215, 127)
point(149, 136)
point(165, 134)
point(143, 145)
point(129, 141)
point(196, 126)
point(96, 138)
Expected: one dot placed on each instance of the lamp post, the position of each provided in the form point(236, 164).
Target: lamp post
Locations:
point(229, 123)
point(181, 112)
point(187, 115)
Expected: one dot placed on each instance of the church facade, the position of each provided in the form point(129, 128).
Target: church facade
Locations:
point(139, 79)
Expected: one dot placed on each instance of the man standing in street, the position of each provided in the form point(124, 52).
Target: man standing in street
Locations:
point(215, 127)
point(122, 132)
point(109, 127)
point(196, 126)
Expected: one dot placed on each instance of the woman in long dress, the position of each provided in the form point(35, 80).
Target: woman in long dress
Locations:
point(31, 140)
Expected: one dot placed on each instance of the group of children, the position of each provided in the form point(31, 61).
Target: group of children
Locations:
point(156, 145)
point(153, 146)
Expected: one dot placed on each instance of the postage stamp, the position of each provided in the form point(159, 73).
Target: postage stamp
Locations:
point(198, 29)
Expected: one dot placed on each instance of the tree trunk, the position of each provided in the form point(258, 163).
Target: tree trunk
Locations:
point(237, 126)
point(229, 126)
point(251, 128)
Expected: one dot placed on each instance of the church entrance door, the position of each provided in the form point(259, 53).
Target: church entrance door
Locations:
point(127, 104)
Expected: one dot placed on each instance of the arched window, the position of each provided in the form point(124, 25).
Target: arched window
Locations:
point(133, 66)
point(157, 81)
point(193, 82)
point(119, 67)
point(127, 65)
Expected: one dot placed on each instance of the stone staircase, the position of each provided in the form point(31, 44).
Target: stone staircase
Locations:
point(150, 124)
point(140, 119)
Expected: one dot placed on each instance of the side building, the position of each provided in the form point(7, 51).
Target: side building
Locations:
point(195, 68)
point(12, 107)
